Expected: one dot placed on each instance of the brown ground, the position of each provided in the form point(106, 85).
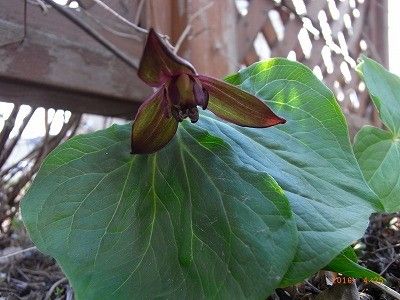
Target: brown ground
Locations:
point(29, 275)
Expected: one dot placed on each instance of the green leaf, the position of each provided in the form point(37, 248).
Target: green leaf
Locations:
point(377, 150)
point(202, 218)
point(191, 221)
point(346, 264)
point(384, 88)
point(378, 154)
point(311, 159)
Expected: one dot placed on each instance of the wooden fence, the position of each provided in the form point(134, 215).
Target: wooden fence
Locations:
point(328, 36)
point(60, 66)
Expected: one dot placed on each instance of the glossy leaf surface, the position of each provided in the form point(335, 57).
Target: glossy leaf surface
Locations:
point(202, 217)
point(378, 154)
point(311, 159)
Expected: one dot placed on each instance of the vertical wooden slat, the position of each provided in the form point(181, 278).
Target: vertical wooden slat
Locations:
point(378, 29)
point(211, 43)
point(158, 15)
point(377, 35)
point(213, 51)
point(269, 33)
point(251, 57)
point(179, 17)
point(284, 14)
point(249, 25)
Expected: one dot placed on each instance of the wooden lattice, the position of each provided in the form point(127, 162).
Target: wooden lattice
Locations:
point(326, 35)
point(58, 65)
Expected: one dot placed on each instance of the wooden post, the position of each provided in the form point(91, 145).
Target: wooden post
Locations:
point(211, 44)
point(158, 15)
point(378, 30)
point(213, 47)
point(378, 39)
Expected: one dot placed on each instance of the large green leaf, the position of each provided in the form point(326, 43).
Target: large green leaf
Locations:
point(192, 221)
point(202, 218)
point(311, 159)
point(377, 150)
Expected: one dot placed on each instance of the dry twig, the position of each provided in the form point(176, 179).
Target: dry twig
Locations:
point(8, 127)
point(124, 20)
point(17, 252)
point(54, 286)
point(40, 3)
point(387, 289)
point(112, 30)
point(5, 154)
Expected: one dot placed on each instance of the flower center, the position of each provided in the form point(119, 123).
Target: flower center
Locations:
point(184, 94)
point(180, 113)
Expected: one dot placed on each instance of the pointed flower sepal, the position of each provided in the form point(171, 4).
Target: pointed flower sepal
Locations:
point(179, 91)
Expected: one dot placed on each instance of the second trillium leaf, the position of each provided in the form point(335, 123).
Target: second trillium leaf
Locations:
point(378, 150)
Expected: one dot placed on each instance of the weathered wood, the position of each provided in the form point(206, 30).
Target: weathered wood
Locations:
point(159, 15)
point(211, 43)
point(338, 25)
point(249, 25)
point(213, 51)
point(299, 52)
point(358, 27)
point(59, 66)
point(317, 45)
point(59, 97)
point(292, 28)
point(269, 33)
point(378, 29)
point(251, 57)
point(284, 14)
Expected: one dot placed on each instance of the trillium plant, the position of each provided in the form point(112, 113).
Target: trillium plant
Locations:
point(226, 210)
point(179, 91)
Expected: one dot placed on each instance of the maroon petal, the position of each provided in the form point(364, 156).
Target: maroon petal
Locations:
point(239, 107)
point(152, 129)
point(159, 63)
point(200, 94)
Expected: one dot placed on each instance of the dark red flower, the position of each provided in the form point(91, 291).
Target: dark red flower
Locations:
point(179, 92)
